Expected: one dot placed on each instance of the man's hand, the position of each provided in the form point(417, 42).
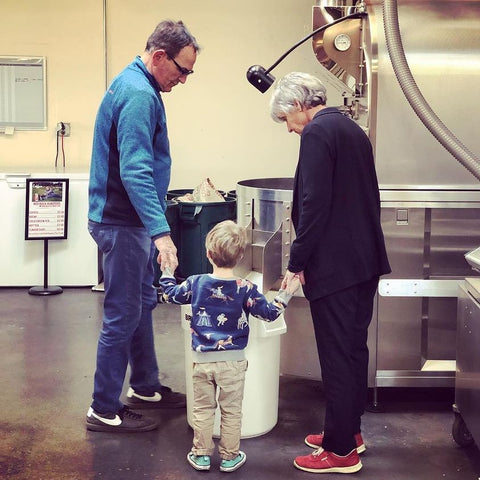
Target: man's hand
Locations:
point(167, 253)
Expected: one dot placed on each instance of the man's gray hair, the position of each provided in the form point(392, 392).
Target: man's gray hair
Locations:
point(296, 89)
point(172, 37)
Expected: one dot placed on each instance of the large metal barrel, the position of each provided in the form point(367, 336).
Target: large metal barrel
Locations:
point(260, 201)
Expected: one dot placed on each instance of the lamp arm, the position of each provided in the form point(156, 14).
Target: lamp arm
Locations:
point(317, 30)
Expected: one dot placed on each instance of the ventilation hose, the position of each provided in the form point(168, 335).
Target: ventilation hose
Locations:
point(414, 96)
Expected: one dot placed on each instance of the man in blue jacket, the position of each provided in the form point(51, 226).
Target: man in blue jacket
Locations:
point(339, 254)
point(129, 177)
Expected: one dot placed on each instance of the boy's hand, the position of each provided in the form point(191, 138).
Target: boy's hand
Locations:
point(167, 272)
point(293, 284)
point(288, 277)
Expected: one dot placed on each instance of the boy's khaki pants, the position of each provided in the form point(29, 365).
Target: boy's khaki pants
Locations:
point(229, 377)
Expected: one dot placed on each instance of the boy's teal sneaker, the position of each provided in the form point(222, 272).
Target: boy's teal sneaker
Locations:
point(234, 463)
point(198, 462)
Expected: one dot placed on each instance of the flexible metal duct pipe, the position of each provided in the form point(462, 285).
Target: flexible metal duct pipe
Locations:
point(414, 96)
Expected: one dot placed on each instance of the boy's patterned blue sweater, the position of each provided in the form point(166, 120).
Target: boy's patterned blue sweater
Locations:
point(221, 309)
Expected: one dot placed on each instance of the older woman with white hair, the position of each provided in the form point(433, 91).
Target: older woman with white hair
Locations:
point(339, 254)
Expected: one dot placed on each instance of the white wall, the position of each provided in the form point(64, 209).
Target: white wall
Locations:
point(70, 38)
point(219, 124)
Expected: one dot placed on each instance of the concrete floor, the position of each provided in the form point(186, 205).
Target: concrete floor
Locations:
point(48, 347)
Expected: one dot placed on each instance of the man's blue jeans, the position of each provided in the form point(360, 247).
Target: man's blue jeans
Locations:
point(127, 330)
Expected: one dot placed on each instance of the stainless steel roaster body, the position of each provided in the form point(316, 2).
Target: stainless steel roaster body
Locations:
point(430, 202)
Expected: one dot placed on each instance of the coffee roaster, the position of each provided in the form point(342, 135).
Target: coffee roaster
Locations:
point(407, 72)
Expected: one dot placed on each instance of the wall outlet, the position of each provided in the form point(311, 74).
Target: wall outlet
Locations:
point(63, 128)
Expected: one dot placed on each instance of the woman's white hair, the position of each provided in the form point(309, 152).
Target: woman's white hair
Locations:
point(296, 89)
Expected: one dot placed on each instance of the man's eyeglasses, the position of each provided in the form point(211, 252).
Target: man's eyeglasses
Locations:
point(182, 70)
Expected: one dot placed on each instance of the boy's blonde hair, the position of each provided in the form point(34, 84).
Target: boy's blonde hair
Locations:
point(226, 243)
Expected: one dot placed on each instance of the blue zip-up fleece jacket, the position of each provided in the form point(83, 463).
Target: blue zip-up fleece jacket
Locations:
point(220, 311)
point(130, 169)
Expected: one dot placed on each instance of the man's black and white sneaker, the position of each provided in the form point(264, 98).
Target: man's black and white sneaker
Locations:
point(124, 421)
point(165, 398)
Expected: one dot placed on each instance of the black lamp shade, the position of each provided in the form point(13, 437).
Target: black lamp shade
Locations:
point(259, 78)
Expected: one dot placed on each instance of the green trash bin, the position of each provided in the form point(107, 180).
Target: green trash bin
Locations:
point(196, 219)
point(173, 220)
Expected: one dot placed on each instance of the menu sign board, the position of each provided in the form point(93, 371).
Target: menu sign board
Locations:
point(46, 212)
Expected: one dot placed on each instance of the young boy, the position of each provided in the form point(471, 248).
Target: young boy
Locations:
point(221, 305)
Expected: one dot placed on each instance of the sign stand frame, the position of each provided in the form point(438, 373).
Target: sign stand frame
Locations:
point(46, 217)
point(45, 289)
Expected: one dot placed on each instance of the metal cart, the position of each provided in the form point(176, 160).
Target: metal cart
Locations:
point(466, 425)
